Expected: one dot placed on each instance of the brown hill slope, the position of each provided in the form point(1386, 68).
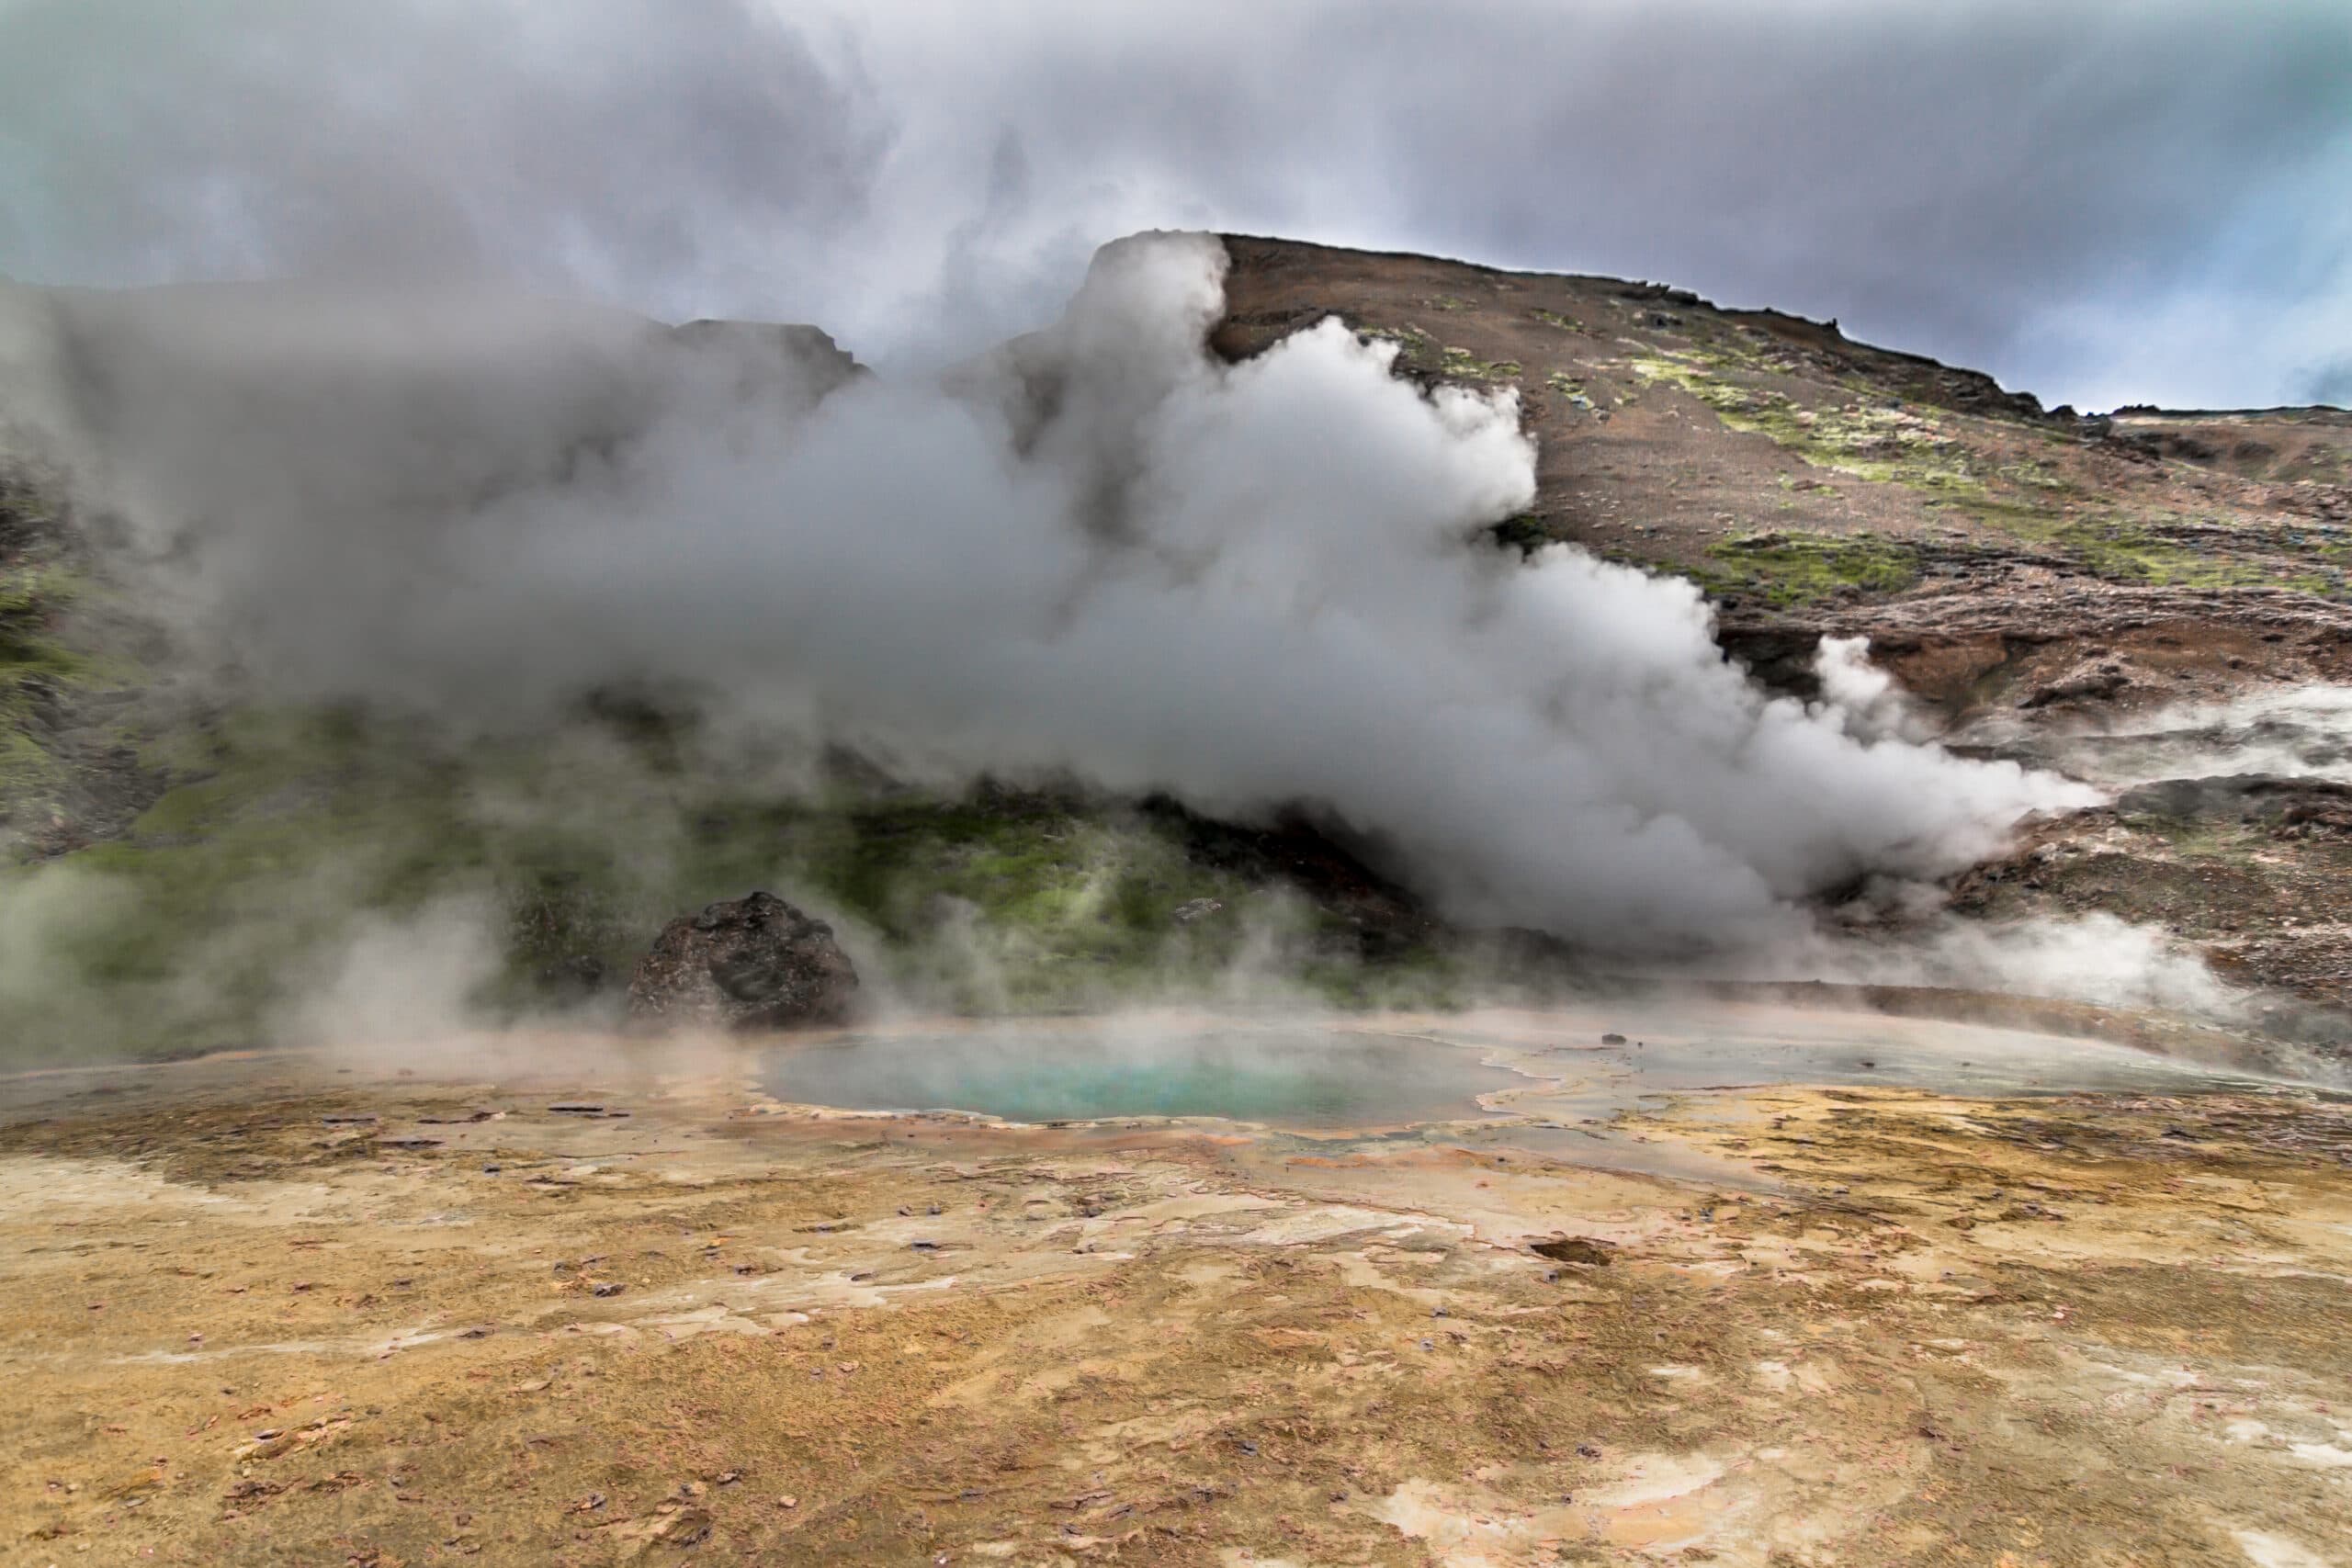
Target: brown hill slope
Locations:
point(2080, 591)
point(1813, 483)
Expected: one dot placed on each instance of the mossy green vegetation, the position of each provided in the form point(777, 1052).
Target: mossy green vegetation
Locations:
point(1883, 440)
point(1788, 568)
point(1571, 389)
point(1461, 363)
point(1875, 439)
point(38, 670)
point(53, 660)
point(235, 901)
point(1421, 353)
point(2165, 551)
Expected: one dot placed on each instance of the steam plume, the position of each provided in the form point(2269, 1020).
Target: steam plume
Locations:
point(1097, 551)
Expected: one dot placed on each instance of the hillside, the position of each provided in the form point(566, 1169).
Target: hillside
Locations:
point(2041, 577)
point(1808, 481)
point(2034, 576)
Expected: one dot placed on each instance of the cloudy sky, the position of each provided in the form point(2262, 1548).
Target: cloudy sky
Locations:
point(2110, 201)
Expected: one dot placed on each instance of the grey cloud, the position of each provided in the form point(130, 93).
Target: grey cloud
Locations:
point(2101, 202)
point(1952, 179)
point(674, 152)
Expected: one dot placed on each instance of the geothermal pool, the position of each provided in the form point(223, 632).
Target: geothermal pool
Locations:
point(1313, 1074)
point(1294, 1075)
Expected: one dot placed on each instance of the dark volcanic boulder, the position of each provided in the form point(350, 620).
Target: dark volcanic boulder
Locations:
point(749, 962)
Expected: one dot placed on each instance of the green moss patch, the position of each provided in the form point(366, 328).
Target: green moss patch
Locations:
point(1420, 353)
point(235, 897)
point(1571, 389)
point(1872, 440)
point(1787, 569)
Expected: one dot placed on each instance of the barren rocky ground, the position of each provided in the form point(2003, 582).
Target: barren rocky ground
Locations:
point(610, 1308)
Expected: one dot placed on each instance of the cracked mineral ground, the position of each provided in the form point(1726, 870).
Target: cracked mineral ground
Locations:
point(1945, 1292)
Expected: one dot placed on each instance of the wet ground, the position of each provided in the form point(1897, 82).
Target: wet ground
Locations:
point(1753, 1286)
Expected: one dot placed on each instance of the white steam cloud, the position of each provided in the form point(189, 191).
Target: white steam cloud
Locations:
point(1098, 550)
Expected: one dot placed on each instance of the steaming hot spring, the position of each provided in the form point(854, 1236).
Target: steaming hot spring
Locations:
point(1339, 910)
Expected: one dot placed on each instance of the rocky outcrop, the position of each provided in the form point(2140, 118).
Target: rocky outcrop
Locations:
point(753, 963)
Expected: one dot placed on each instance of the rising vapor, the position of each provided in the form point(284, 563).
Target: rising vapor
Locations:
point(1097, 551)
